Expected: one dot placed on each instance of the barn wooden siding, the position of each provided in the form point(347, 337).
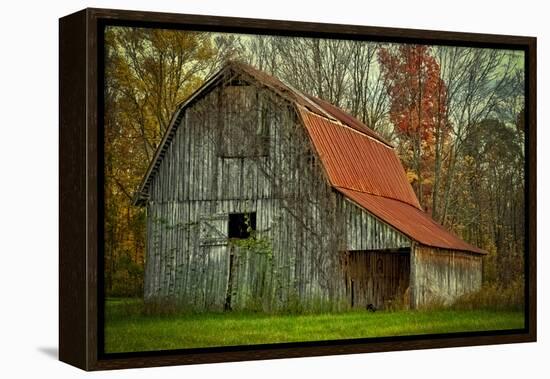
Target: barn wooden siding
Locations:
point(197, 187)
point(443, 275)
point(302, 223)
point(366, 232)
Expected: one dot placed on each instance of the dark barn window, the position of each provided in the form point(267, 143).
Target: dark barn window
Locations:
point(241, 225)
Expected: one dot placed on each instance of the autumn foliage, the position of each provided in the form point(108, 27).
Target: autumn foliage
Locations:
point(148, 73)
point(418, 99)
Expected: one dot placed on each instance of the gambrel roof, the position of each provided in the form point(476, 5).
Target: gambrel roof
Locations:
point(358, 163)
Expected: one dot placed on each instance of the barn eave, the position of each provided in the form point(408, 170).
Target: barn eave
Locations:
point(414, 223)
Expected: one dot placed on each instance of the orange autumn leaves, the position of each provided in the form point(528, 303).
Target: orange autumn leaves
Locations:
point(418, 111)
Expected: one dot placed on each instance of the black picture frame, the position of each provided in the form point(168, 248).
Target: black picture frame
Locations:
point(81, 183)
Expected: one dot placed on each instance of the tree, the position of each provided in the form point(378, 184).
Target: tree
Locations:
point(344, 73)
point(417, 110)
point(148, 72)
point(491, 193)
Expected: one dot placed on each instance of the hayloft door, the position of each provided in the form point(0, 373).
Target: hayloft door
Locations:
point(240, 227)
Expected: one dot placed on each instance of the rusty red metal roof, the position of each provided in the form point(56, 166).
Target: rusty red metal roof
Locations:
point(367, 171)
point(356, 161)
point(413, 222)
point(348, 119)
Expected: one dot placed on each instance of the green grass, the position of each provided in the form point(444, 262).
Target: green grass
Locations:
point(127, 329)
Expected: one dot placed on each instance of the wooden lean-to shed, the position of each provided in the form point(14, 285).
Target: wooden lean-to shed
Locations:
point(262, 197)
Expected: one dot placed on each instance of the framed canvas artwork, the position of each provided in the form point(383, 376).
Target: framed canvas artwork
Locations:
point(237, 189)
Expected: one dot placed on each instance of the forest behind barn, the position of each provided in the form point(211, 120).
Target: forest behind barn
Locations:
point(455, 115)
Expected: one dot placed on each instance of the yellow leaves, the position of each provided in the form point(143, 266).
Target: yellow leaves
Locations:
point(206, 51)
point(411, 176)
point(427, 181)
point(469, 160)
point(427, 178)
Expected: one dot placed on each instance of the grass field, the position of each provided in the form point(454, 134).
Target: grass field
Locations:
point(127, 329)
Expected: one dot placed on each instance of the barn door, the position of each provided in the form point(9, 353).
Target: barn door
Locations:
point(213, 252)
point(240, 226)
point(227, 306)
point(236, 274)
point(375, 277)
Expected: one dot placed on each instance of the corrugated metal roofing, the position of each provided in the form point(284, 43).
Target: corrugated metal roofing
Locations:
point(348, 119)
point(411, 221)
point(368, 171)
point(357, 161)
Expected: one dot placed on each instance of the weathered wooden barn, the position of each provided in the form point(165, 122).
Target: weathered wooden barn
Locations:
point(263, 197)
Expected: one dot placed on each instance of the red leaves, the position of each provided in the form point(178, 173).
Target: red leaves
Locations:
point(417, 92)
point(418, 107)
